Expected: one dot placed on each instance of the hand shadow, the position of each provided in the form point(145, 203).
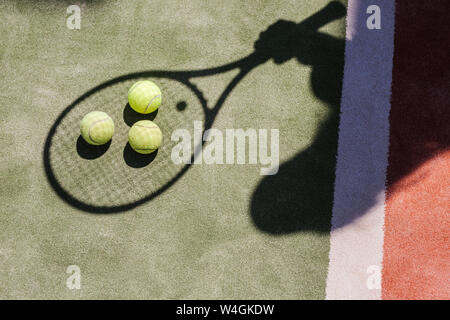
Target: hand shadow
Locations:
point(300, 196)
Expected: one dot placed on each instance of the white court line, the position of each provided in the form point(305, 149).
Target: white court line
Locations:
point(356, 246)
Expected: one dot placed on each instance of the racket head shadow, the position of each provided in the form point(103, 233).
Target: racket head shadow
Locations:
point(114, 178)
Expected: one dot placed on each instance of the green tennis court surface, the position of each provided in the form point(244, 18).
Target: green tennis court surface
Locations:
point(211, 231)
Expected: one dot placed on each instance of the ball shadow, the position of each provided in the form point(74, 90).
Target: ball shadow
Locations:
point(137, 160)
point(90, 152)
point(131, 117)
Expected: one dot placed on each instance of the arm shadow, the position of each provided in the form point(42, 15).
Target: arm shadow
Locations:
point(300, 196)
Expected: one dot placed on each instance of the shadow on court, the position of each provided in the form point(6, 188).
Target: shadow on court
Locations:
point(137, 160)
point(300, 196)
point(90, 152)
point(131, 117)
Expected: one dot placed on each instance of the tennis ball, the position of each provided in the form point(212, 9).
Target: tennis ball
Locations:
point(97, 128)
point(144, 97)
point(145, 137)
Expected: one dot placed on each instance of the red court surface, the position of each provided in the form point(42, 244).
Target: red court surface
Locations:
point(416, 262)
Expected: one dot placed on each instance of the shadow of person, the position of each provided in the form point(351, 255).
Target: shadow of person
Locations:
point(300, 196)
point(282, 41)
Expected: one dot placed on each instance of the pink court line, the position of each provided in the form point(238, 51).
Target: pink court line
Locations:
point(356, 245)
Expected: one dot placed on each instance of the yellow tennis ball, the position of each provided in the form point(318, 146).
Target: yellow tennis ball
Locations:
point(97, 128)
point(144, 97)
point(145, 137)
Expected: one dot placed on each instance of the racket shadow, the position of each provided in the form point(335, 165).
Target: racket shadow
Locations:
point(55, 163)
